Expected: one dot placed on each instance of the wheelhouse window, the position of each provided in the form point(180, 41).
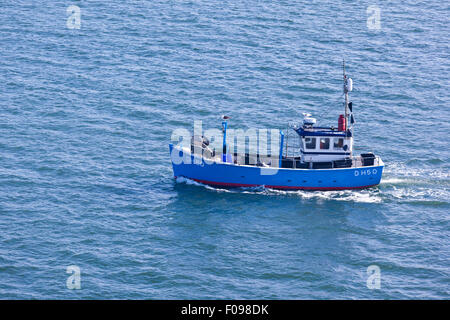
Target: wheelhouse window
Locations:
point(310, 143)
point(324, 143)
point(338, 143)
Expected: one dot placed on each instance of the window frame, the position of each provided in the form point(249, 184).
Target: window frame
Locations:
point(327, 143)
point(336, 141)
point(313, 141)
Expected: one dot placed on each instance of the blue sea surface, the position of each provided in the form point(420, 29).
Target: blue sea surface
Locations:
point(86, 116)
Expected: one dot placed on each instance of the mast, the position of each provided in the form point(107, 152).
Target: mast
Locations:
point(348, 86)
point(345, 93)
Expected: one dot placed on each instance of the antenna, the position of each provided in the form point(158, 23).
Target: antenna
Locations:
point(343, 67)
point(345, 91)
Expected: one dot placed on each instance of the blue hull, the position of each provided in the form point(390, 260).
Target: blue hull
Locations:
point(231, 175)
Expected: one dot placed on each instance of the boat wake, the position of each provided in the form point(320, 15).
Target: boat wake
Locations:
point(422, 186)
point(365, 196)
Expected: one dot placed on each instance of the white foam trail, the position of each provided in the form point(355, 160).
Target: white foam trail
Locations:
point(393, 181)
point(365, 196)
point(195, 183)
point(400, 183)
point(362, 196)
point(419, 194)
point(400, 169)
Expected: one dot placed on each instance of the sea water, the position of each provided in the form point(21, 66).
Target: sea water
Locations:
point(91, 92)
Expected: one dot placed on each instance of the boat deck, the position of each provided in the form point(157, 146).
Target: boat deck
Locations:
point(290, 162)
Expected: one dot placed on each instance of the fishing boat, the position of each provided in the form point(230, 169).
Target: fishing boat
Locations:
point(323, 159)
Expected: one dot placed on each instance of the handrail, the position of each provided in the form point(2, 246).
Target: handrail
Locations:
point(292, 143)
point(357, 161)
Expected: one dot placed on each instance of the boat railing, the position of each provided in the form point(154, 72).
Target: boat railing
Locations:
point(289, 161)
point(357, 161)
point(292, 142)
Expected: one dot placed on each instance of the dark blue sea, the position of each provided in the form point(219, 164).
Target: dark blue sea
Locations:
point(88, 106)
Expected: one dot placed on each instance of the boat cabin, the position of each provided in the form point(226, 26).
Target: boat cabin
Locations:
point(324, 144)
